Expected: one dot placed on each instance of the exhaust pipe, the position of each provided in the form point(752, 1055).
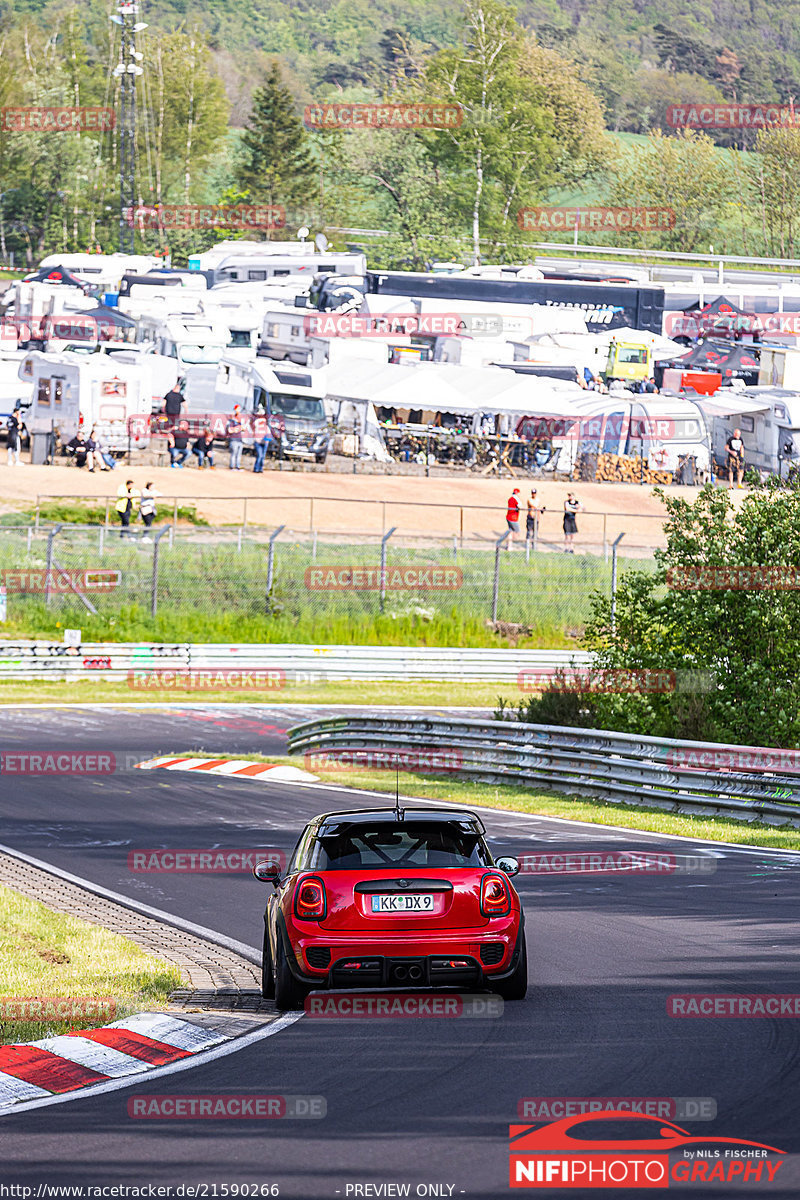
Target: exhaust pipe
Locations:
point(401, 972)
point(415, 974)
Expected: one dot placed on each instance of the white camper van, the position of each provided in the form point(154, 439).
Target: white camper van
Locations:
point(189, 341)
point(72, 390)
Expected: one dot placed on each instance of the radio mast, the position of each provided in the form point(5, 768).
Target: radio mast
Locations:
point(127, 70)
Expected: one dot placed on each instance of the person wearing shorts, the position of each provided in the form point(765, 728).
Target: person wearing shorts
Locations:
point(512, 517)
point(535, 511)
point(734, 449)
point(571, 507)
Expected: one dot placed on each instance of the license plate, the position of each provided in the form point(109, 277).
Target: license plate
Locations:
point(402, 904)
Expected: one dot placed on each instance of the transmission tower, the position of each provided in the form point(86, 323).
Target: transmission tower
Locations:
point(127, 70)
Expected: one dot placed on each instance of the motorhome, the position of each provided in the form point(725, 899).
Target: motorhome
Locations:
point(190, 341)
point(779, 367)
point(667, 433)
point(768, 419)
point(291, 399)
point(93, 390)
point(255, 262)
point(103, 270)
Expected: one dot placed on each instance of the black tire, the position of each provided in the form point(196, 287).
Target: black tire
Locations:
point(267, 978)
point(289, 994)
point(516, 985)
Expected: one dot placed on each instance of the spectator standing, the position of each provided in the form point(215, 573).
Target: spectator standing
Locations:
point(535, 511)
point(178, 444)
point(734, 448)
point(147, 504)
point(261, 445)
point(571, 508)
point(173, 401)
point(512, 517)
point(126, 494)
point(13, 436)
point(233, 429)
point(204, 449)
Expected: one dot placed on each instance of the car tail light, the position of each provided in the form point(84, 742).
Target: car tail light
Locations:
point(310, 903)
point(495, 897)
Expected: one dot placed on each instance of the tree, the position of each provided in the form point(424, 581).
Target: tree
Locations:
point(687, 174)
point(734, 649)
point(776, 190)
point(277, 166)
point(527, 123)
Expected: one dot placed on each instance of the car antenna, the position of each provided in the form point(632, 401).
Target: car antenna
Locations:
point(398, 812)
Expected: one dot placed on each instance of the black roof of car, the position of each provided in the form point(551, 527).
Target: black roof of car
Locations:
point(372, 816)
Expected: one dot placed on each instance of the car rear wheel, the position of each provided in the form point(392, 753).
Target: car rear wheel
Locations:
point(288, 992)
point(515, 987)
point(267, 978)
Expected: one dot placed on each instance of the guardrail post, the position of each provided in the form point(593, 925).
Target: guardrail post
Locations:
point(614, 545)
point(154, 579)
point(51, 537)
point(271, 562)
point(498, 546)
point(384, 540)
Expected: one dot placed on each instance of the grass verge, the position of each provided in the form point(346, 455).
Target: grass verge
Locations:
point(46, 955)
point(95, 691)
point(548, 804)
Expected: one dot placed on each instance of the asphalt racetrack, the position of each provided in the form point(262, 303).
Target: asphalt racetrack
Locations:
point(419, 1102)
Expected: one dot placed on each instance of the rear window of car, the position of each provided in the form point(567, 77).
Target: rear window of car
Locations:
point(396, 847)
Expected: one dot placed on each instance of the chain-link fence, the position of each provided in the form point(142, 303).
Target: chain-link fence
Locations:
point(296, 587)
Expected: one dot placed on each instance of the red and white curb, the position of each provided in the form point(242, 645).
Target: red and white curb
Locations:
point(136, 1044)
point(239, 767)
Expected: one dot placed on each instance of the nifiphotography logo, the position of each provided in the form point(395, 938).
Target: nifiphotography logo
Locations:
point(594, 1150)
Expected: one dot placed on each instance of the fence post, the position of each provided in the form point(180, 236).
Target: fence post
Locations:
point(271, 562)
point(614, 545)
point(384, 540)
point(154, 580)
point(311, 514)
point(244, 512)
point(108, 507)
point(51, 537)
point(102, 538)
point(498, 546)
point(605, 536)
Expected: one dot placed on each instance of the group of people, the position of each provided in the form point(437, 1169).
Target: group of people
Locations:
point(91, 451)
point(180, 442)
point(572, 506)
point(130, 499)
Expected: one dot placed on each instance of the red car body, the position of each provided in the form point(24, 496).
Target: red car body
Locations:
point(386, 899)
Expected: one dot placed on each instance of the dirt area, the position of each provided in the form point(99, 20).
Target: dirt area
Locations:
point(363, 504)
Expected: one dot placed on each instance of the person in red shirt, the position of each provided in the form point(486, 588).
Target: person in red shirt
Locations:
point(512, 517)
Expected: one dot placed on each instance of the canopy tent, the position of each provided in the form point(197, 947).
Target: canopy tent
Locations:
point(58, 275)
point(446, 387)
point(729, 404)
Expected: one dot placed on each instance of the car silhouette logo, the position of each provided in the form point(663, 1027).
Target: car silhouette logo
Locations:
point(557, 1136)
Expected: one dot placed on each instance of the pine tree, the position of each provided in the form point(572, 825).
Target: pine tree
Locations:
point(277, 166)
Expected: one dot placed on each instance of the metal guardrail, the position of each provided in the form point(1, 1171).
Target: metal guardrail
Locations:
point(29, 660)
point(682, 777)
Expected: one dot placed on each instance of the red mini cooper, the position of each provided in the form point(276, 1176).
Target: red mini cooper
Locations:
point(392, 898)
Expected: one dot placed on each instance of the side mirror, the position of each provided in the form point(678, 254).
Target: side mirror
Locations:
point(507, 864)
point(301, 301)
point(267, 872)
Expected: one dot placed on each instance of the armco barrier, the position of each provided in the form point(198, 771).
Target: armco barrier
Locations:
point(619, 767)
point(26, 660)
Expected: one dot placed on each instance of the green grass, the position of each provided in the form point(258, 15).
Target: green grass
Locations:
point(50, 955)
point(556, 804)
point(213, 591)
point(76, 512)
point(92, 691)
